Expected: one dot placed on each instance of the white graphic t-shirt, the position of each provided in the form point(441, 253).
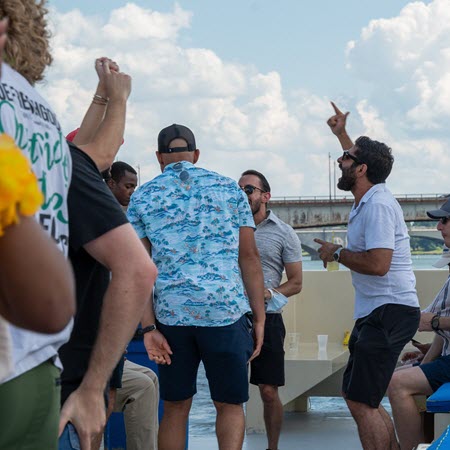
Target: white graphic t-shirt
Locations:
point(5, 350)
point(27, 117)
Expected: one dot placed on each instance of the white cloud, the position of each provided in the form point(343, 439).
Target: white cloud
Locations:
point(371, 121)
point(131, 23)
point(243, 118)
point(407, 58)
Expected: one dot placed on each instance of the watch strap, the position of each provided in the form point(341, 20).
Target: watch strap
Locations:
point(141, 331)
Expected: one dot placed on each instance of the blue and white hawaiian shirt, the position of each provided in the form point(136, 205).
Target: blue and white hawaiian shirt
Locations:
point(192, 217)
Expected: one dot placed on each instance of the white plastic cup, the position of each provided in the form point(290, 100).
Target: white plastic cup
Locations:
point(322, 341)
point(293, 341)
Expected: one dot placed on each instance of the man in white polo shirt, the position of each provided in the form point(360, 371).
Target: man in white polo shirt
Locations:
point(386, 306)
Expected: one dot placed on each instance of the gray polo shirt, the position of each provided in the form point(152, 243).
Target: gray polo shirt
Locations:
point(278, 244)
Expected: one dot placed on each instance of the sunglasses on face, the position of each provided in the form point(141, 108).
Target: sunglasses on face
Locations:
point(444, 220)
point(347, 155)
point(249, 189)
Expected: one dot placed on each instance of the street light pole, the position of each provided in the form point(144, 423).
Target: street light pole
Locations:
point(329, 174)
point(334, 179)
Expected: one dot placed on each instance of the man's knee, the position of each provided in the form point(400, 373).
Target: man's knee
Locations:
point(397, 386)
point(359, 410)
point(269, 393)
point(180, 408)
point(228, 407)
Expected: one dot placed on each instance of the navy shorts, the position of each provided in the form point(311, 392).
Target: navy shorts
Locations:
point(375, 345)
point(437, 372)
point(268, 367)
point(224, 351)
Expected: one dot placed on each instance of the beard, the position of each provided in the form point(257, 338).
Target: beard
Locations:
point(255, 206)
point(348, 179)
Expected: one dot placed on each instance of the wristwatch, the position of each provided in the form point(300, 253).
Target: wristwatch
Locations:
point(337, 254)
point(435, 323)
point(141, 331)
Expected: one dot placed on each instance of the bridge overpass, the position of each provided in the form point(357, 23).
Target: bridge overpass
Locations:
point(339, 236)
point(309, 212)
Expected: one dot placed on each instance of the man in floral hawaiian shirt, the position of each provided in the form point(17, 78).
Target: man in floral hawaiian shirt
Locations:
point(200, 231)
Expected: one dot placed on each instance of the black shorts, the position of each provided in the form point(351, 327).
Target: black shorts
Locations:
point(224, 351)
point(268, 367)
point(375, 346)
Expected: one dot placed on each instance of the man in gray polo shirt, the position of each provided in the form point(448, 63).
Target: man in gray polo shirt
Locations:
point(279, 249)
point(386, 306)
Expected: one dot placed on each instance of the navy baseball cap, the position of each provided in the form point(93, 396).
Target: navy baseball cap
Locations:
point(443, 211)
point(168, 134)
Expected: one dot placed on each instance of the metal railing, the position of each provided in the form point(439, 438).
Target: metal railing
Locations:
point(349, 198)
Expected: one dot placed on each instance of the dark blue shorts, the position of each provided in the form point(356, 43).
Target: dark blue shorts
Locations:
point(437, 372)
point(224, 351)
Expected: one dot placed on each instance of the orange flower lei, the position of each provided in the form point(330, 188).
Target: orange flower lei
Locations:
point(19, 190)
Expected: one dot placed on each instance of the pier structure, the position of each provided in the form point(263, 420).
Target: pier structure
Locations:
point(325, 218)
point(311, 212)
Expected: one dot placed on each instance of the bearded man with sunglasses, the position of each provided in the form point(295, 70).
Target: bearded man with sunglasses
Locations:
point(386, 305)
point(280, 249)
point(200, 231)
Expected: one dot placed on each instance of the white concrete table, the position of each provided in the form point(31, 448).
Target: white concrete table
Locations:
point(305, 370)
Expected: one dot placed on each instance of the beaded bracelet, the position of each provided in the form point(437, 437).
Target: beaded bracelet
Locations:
point(19, 190)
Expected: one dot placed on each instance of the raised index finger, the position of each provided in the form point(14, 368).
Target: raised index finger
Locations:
point(336, 109)
point(319, 241)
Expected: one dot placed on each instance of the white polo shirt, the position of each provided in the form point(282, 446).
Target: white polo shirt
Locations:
point(377, 222)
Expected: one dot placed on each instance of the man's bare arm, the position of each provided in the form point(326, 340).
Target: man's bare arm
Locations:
point(434, 351)
point(158, 349)
point(97, 108)
point(337, 124)
point(252, 276)
point(425, 322)
point(376, 261)
point(293, 284)
point(108, 136)
point(132, 277)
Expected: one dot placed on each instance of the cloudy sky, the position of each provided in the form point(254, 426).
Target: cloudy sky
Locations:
point(253, 80)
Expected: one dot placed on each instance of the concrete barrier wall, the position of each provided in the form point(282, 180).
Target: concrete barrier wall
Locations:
point(325, 305)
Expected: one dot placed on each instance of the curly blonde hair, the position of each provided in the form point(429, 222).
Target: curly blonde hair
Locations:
point(27, 46)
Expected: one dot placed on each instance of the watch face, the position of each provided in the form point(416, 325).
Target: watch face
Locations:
point(435, 322)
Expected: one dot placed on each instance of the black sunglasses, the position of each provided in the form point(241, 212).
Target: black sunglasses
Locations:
point(249, 189)
point(347, 155)
point(444, 220)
